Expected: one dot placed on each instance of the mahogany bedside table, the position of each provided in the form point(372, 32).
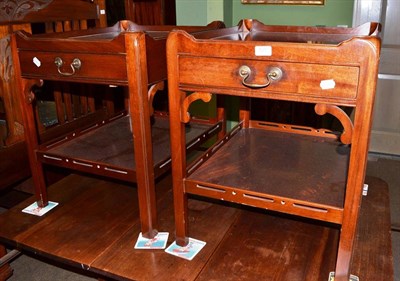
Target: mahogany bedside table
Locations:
point(302, 171)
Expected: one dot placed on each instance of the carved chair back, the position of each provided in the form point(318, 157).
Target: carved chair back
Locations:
point(38, 16)
point(44, 16)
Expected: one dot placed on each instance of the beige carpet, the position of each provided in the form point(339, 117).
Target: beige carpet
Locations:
point(31, 269)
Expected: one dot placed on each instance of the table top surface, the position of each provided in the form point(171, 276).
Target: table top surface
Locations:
point(96, 225)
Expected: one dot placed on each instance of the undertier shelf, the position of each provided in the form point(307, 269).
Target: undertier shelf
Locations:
point(109, 150)
point(291, 173)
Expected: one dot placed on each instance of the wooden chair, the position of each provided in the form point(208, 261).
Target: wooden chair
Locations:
point(40, 17)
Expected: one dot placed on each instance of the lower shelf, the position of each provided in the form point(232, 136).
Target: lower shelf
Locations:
point(292, 173)
point(107, 149)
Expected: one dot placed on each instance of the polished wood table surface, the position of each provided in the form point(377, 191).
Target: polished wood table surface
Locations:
point(95, 226)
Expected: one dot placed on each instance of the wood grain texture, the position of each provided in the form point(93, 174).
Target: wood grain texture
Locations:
point(286, 159)
point(282, 248)
point(126, 262)
point(82, 226)
point(125, 54)
point(276, 248)
point(151, 12)
point(96, 226)
point(374, 235)
point(315, 65)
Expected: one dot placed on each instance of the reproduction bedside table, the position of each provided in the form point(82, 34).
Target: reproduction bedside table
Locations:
point(125, 146)
point(298, 170)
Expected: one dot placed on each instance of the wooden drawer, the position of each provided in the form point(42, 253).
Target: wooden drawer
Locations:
point(99, 68)
point(298, 79)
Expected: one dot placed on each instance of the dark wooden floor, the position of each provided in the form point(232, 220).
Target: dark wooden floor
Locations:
point(96, 226)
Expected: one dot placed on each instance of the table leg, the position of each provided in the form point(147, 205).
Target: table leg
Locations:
point(5, 270)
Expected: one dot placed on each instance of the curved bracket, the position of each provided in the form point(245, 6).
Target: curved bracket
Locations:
point(185, 116)
point(344, 119)
point(152, 92)
point(29, 95)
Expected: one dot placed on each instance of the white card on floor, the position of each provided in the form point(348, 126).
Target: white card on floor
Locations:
point(34, 209)
point(158, 242)
point(187, 252)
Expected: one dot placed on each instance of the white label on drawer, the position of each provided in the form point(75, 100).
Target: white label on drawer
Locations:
point(37, 62)
point(263, 51)
point(327, 84)
point(102, 12)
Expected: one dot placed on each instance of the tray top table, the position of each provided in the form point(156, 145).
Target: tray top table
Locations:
point(307, 172)
point(125, 55)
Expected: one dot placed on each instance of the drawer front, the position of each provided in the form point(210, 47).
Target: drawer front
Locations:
point(102, 68)
point(298, 79)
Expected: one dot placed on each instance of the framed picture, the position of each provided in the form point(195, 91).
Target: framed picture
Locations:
point(285, 2)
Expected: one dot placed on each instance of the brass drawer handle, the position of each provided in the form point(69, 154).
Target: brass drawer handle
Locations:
point(76, 64)
point(275, 73)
